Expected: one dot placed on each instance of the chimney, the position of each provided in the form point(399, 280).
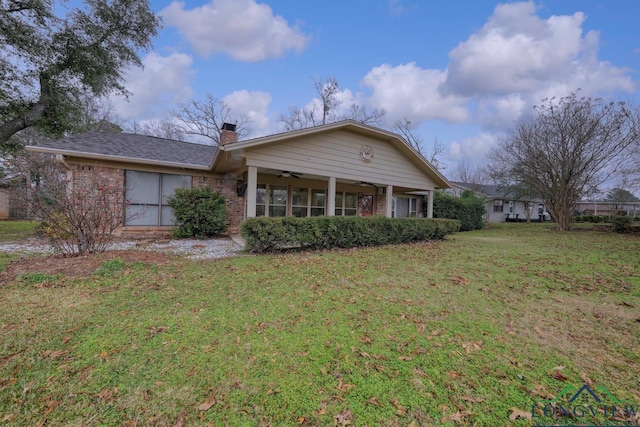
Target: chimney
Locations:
point(228, 134)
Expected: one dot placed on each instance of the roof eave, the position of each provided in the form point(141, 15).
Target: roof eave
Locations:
point(96, 156)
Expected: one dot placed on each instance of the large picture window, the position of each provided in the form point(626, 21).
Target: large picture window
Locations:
point(404, 207)
point(308, 202)
point(147, 194)
point(271, 200)
point(346, 204)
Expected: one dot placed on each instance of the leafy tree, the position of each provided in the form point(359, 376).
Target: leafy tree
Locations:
point(50, 62)
point(621, 195)
point(571, 146)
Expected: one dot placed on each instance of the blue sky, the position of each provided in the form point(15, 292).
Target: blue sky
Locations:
point(463, 71)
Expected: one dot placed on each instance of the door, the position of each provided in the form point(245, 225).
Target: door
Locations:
point(366, 204)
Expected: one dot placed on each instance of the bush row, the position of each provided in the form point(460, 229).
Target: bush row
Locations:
point(272, 234)
point(600, 218)
point(468, 209)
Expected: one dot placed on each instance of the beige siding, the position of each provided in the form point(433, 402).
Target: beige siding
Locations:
point(4, 203)
point(338, 154)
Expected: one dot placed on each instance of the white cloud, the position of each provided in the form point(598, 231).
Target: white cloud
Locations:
point(242, 29)
point(517, 51)
point(473, 150)
point(410, 91)
point(154, 88)
point(253, 104)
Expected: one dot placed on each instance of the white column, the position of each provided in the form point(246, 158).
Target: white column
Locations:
point(430, 204)
point(331, 205)
point(252, 186)
point(389, 200)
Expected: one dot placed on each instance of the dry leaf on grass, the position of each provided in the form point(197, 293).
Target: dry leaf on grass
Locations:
point(207, 404)
point(517, 413)
point(458, 416)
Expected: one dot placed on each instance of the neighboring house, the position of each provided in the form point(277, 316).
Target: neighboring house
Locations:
point(500, 205)
point(11, 200)
point(344, 168)
point(608, 208)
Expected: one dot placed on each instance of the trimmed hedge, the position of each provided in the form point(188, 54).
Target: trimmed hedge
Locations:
point(467, 209)
point(323, 232)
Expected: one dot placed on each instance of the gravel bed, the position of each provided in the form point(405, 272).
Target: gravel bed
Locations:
point(191, 248)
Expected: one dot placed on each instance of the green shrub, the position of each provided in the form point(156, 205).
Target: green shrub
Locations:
point(468, 209)
point(592, 218)
point(199, 212)
point(622, 224)
point(271, 234)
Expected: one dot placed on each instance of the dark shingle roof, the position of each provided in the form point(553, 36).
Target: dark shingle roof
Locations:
point(133, 146)
point(493, 191)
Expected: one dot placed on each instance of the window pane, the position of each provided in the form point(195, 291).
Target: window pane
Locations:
point(299, 211)
point(277, 211)
point(261, 194)
point(351, 200)
point(141, 215)
point(300, 196)
point(339, 201)
point(338, 212)
point(317, 211)
point(350, 212)
point(278, 195)
point(167, 216)
point(142, 187)
point(260, 210)
point(402, 207)
point(318, 197)
point(172, 182)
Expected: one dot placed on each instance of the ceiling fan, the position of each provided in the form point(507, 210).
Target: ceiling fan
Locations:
point(287, 174)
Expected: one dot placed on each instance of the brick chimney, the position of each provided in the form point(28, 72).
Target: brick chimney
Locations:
point(228, 134)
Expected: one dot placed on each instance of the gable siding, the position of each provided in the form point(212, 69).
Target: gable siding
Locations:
point(338, 154)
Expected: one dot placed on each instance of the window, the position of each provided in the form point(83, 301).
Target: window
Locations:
point(498, 205)
point(308, 202)
point(404, 207)
point(271, 200)
point(147, 193)
point(346, 204)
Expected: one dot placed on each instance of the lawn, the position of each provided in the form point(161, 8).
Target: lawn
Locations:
point(484, 328)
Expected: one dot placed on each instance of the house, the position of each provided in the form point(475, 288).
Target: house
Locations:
point(594, 207)
point(503, 205)
point(343, 168)
point(12, 196)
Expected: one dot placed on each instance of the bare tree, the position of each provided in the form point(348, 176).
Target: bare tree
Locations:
point(205, 117)
point(407, 130)
point(570, 147)
point(326, 109)
point(465, 172)
point(78, 217)
point(159, 128)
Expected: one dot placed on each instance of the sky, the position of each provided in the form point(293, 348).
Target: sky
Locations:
point(462, 72)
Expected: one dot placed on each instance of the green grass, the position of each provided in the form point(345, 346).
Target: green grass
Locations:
point(16, 230)
point(465, 329)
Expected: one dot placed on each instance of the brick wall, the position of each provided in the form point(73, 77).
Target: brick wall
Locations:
point(235, 203)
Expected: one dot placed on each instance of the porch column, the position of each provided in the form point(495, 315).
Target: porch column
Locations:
point(430, 204)
point(252, 186)
point(389, 200)
point(331, 206)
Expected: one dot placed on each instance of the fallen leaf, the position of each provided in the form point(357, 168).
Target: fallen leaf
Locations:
point(458, 416)
point(538, 331)
point(343, 418)
point(587, 380)
point(400, 410)
point(405, 358)
point(472, 399)
point(559, 376)
point(626, 304)
point(211, 400)
point(459, 280)
point(517, 413)
point(373, 401)
point(301, 420)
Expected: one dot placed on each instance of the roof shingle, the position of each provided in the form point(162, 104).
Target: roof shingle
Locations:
point(136, 146)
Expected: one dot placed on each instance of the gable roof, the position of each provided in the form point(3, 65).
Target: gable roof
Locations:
point(350, 125)
point(132, 148)
point(491, 191)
